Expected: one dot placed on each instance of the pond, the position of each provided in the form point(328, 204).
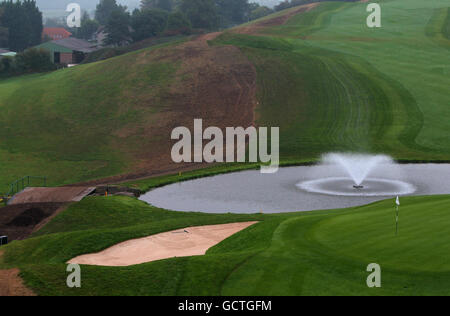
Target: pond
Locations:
point(289, 190)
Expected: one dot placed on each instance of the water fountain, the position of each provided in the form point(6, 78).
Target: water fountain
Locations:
point(364, 175)
point(340, 181)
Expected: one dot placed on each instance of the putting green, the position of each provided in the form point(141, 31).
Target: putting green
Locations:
point(328, 255)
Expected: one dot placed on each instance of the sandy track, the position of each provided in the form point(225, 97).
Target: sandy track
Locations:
point(11, 284)
point(193, 241)
point(258, 28)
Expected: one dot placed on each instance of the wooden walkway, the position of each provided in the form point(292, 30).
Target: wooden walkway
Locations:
point(51, 195)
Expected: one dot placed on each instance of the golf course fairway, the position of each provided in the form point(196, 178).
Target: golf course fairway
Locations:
point(314, 253)
point(322, 76)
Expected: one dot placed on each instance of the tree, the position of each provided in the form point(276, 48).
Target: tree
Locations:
point(34, 60)
point(166, 5)
point(178, 23)
point(36, 24)
point(7, 66)
point(148, 23)
point(104, 10)
point(24, 23)
point(232, 12)
point(201, 13)
point(4, 33)
point(88, 27)
point(118, 28)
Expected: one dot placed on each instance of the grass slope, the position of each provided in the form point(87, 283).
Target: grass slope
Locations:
point(326, 79)
point(401, 50)
point(315, 253)
point(68, 124)
point(331, 83)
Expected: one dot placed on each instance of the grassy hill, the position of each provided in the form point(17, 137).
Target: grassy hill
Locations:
point(116, 116)
point(322, 76)
point(326, 79)
point(332, 83)
point(62, 124)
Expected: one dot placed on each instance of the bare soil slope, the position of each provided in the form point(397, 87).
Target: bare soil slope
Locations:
point(216, 84)
point(20, 221)
point(11, 284)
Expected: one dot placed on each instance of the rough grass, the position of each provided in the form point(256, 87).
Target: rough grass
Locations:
point(65, 125)
point(313, 253)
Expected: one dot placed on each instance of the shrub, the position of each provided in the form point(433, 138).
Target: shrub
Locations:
point(7, 66)
point(30, 61)
point(148, 23)
point(34, 60)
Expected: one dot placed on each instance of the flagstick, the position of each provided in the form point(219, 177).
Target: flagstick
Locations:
point(396, 222)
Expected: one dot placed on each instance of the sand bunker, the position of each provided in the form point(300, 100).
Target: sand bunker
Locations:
point(193, 241)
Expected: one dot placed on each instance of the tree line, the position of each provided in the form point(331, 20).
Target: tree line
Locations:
point(20, 24)
point(166, 17)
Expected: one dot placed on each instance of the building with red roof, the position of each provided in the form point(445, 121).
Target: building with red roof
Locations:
point(55, 33)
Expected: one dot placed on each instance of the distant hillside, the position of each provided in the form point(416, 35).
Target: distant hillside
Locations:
point(85, 4)
point(116, 116)
point(91, 4)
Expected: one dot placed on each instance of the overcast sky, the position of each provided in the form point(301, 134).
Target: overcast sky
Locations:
point(91, 4)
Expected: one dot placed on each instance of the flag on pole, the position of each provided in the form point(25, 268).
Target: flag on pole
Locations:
point(397, 202)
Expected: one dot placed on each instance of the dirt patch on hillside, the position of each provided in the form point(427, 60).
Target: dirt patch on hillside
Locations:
point(12, 285)
point(213, 83)
point(258, 28)
point(192, 241)
point(29, 217)
point(20, 221)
